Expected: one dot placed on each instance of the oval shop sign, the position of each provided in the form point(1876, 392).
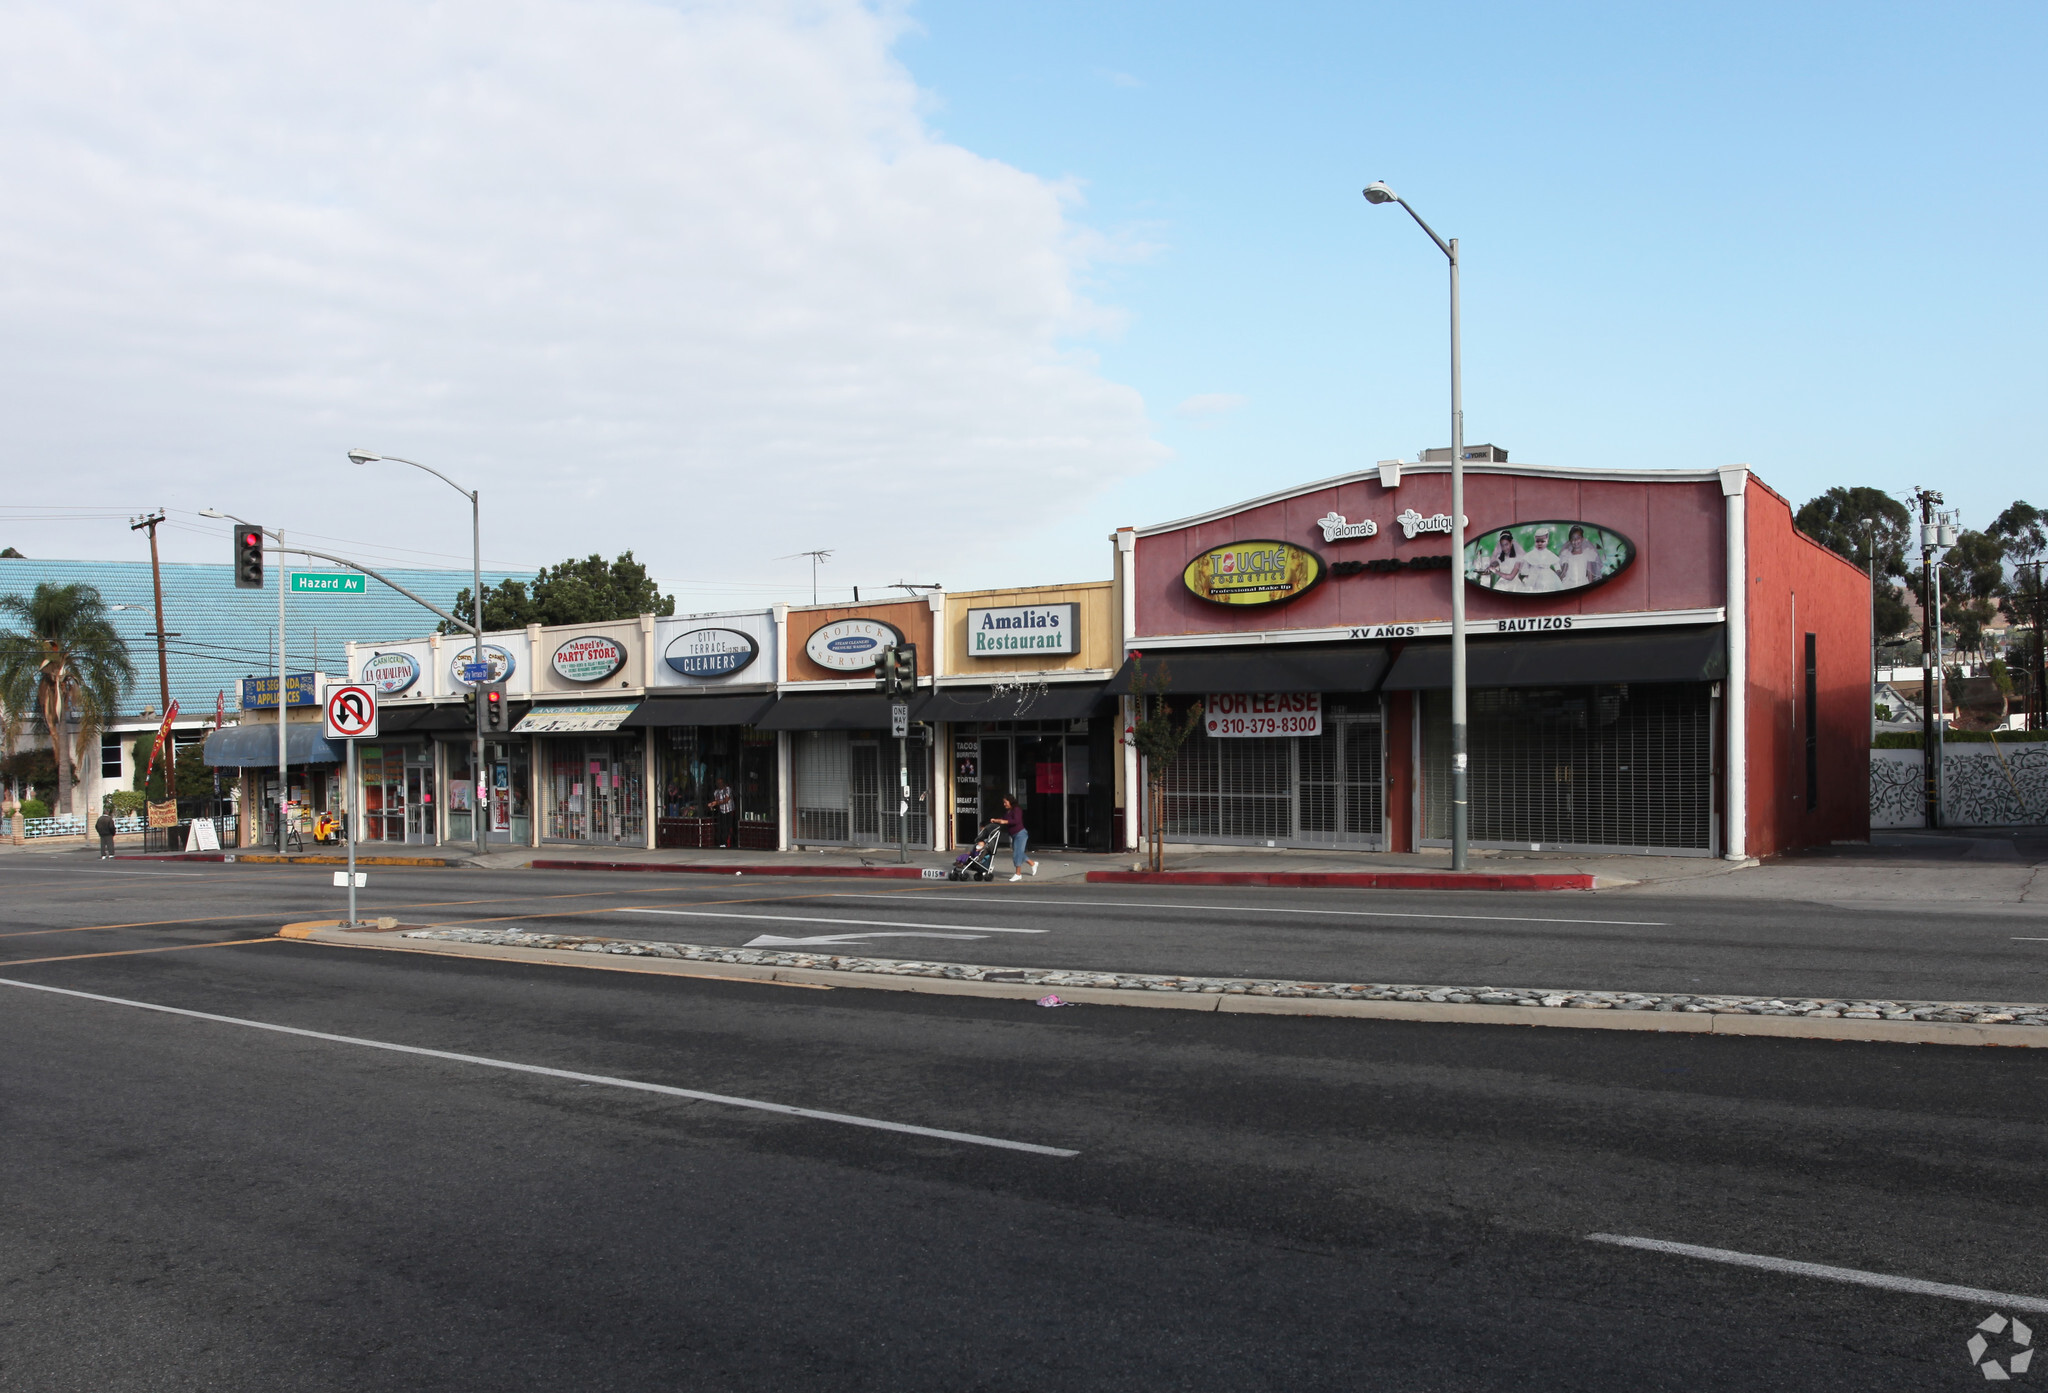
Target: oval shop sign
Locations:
point(390, 673)
point(709, 653)
point(1546, 558)
point(851, 645)
point(1253, 573)
point(500, 661)
point(591, 658)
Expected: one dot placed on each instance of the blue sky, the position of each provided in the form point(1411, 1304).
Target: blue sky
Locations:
point(1803, 237)
point(955, 289)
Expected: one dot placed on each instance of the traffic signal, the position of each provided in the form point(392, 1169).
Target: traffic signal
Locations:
point(469, 708)
point(497, 713)
point(896, 670)
point(248, 558)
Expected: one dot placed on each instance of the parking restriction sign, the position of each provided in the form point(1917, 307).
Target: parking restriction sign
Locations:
point(351, 713)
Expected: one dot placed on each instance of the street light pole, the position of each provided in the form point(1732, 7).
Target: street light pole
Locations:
point(1376, 193)
point(476, 604)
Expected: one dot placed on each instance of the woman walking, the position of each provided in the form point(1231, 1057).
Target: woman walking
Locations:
point(1011, 820)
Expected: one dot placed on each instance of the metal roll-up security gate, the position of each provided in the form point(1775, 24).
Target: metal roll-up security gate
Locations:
point(1619, 767)
point(1306, 791)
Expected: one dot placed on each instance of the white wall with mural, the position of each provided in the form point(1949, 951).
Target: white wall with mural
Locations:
point(1986, 785)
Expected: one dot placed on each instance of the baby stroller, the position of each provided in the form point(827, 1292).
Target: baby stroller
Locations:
point(978, 864)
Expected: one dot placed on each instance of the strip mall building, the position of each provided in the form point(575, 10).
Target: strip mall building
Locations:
point(1624, 695)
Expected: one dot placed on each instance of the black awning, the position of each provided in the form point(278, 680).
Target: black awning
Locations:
point(1691, 654)
point(422, 719)
point(725, 709)
point(1327, 668)
point(254, 746)
point(828, 711)
point(1051, 701)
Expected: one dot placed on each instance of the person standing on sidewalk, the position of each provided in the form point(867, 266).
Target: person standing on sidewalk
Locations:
point(1012, 819)
point(721, 805)
point(105, 827)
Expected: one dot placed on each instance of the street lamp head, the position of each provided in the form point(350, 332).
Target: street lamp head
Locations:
point(1378, 192)
point(211, 513)
point(363, 456)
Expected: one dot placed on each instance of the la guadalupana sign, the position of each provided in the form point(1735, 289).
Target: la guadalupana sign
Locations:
point(1253, 573)
point(1013, 629)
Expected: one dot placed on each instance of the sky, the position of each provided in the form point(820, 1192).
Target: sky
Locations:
point(952, 290)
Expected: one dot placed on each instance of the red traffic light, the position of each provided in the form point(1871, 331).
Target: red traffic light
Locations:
point(251, 539)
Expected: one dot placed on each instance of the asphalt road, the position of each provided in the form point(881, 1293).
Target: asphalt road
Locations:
point(1634, 940)
point(1251, 1202)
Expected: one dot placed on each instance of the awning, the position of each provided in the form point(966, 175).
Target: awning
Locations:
point(254, 745)
point(1050, 701)
point(828, 711)
point(1328, 668)
point(583, 718)
point(1692, 654)
point(726, 709)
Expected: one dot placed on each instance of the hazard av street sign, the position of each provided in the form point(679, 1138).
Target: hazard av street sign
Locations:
point(351, 713)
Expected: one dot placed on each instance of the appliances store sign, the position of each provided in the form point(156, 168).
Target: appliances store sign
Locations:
point(1002, 633)
point(851, 645)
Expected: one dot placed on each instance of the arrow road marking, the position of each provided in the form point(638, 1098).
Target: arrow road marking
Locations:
point(970, 930)
point(771, 941)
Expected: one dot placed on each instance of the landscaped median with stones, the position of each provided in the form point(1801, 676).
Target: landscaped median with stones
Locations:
point(2015, 1024)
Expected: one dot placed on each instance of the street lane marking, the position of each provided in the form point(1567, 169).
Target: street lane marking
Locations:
point(130, 952)
point(1281, 909)
point(1856, 1276)
point(813, 1114)
point(809, 919)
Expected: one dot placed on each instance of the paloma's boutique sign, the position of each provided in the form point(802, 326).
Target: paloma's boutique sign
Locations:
point(995, 633)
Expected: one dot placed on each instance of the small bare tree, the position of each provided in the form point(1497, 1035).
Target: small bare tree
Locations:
point(1158, 737)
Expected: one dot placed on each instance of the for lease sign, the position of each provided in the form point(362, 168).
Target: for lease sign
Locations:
point(1240, 715)
point(1017, 629)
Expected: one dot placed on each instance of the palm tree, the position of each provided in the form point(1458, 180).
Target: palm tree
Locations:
point(64, 663)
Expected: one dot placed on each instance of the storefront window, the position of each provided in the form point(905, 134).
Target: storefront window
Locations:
point(594, 790)
point(1624, 767)
point(397, 801)
point(1045, 765)
point(845, 785)
point(1320, 790)
point(508, 778)
point(716, 787)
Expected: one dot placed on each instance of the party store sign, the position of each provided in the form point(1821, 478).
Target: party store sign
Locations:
point(591, 658)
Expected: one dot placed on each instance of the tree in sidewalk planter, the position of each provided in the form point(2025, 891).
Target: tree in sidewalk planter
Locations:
point(589, 591)
point(63, 669)
point(195, 776)
point(1158, 737)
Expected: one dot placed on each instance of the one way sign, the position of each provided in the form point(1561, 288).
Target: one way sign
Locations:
point(351, 713)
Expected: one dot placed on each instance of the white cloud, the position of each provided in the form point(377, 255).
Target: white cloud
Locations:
point(690, 278)
point(1206, 406)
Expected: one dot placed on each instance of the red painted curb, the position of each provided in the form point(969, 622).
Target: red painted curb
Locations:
point(170, 856)
point(861, 872)
point(1349, 880)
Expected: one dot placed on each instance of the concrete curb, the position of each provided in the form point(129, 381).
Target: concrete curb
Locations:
point(704, 868)
point(1353, 880)
point(326, 931)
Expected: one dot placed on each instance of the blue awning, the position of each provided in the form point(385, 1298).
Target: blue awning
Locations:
point(254, 746)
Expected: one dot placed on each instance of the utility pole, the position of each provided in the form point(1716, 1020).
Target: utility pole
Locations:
point(1930, 629)
point(163, 662)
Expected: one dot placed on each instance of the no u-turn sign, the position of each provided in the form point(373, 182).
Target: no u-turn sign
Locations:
point(351, 713)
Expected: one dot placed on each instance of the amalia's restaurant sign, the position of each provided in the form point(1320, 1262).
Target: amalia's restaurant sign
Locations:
point(591, 658)
point(993, 633)
point(708, 653)
point(1253, 573)
point(851, 645)
point(1546, 558)
point(390, 673)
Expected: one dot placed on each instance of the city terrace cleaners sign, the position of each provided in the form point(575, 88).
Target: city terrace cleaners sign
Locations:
point(999, 633)
point(591, 658)
point(851, 645)
point(1253, 573)
point(708, 653)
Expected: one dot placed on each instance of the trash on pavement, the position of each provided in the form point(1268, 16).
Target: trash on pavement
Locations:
point(1050, 1000)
